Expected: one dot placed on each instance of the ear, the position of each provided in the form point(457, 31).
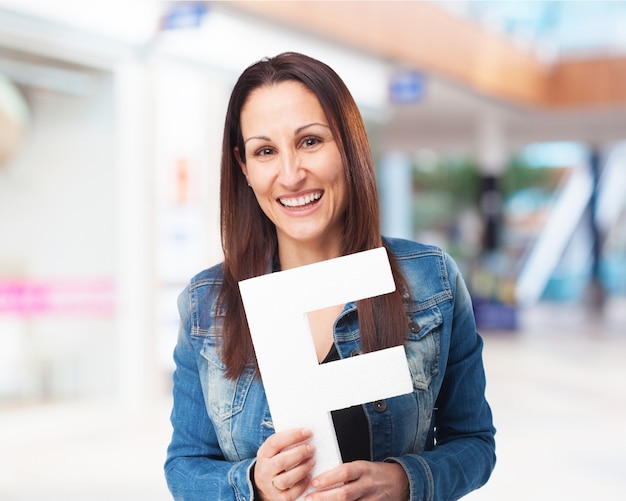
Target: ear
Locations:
point(242, 164)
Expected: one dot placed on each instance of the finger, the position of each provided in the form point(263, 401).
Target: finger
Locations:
point(343, 474)
point(298, 489)
point(294, 476)
point(293, 457)
point(282, 440)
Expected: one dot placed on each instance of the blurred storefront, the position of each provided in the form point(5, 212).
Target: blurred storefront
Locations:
point(110, 200)
point(109, 188)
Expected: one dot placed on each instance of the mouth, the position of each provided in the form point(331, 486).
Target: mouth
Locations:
point(302, 201)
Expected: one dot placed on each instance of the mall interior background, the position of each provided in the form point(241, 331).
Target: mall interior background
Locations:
point(111, 116)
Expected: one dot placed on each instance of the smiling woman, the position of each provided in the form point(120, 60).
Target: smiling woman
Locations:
point(298, 187)
point(294, 166)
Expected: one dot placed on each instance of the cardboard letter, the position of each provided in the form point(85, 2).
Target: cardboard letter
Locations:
point(300, 391)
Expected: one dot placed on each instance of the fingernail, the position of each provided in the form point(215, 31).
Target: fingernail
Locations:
point(306, 432)
point(310, 448)
point(315, 483)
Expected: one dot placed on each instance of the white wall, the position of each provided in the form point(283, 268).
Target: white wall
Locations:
point(57, 227)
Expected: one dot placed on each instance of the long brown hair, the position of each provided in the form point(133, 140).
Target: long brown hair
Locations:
point(249, 237)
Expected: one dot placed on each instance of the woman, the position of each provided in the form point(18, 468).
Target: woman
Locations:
point(298, 187)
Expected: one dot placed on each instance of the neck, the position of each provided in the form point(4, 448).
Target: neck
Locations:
point(292, 256)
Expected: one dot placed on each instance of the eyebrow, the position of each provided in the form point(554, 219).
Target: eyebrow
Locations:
point(300, 129)
point(296, 132)
point(262, 138)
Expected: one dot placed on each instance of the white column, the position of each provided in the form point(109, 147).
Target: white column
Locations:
point(396, 195)
point(135, 347)
point(492, 151)
point(189, 109)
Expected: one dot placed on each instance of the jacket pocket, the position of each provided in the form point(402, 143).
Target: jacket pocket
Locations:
point(224, 397)
point(423, 346)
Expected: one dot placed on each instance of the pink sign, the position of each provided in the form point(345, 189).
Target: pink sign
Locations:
point(59, 296)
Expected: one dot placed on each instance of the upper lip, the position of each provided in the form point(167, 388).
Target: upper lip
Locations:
point(300, 198)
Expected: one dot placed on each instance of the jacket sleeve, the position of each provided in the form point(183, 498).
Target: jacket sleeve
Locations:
point(195, 468)
point(464, 453)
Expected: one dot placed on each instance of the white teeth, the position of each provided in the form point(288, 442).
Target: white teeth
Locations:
point(299, 202)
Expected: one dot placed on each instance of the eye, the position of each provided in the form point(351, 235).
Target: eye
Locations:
point(311, 141)
point(264, 151)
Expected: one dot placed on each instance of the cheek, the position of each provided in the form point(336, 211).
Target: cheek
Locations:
point(262, 186)
point(259, 175)
point(333, 167)
point(339, 175)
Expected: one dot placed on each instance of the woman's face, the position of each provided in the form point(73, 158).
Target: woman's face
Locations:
point(292, 163)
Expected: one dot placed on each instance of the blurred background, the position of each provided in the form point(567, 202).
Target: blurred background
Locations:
point(498, 131)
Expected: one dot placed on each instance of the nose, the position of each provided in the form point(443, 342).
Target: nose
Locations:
point(291, 173)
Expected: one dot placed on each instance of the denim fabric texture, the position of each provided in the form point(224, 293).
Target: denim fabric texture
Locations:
point(441, 434)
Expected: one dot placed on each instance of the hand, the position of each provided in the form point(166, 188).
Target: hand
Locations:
point(362, 480)
point(283, 465)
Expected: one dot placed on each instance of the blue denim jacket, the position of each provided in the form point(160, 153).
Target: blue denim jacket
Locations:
point(441, 434)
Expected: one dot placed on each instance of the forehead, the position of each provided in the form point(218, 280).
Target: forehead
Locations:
point(290, 99)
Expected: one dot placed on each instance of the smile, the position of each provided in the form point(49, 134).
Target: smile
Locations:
point(300, 201)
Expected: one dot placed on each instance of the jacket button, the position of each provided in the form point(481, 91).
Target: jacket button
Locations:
point(380, 406)
point(414, 327)
point(355, 353)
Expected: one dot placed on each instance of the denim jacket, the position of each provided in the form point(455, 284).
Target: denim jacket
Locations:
point(441, 434)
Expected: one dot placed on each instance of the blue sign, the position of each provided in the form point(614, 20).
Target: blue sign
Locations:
point(407, 87)
point(182, 15)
